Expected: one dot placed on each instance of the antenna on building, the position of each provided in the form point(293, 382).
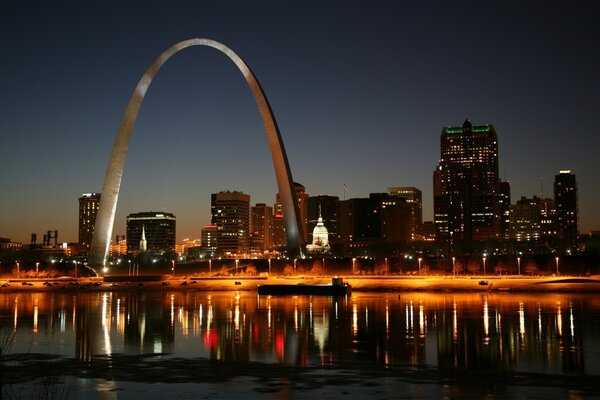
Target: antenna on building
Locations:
point(541, 187)
point(345, 188)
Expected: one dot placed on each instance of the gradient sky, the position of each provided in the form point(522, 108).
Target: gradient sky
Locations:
point(360, 90)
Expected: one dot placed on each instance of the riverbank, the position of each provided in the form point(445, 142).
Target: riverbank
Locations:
point(358, 283)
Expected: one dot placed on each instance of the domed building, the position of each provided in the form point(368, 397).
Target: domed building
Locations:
point(320, 243)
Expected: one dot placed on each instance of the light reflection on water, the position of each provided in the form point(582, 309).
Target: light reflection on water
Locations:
point(553, 334)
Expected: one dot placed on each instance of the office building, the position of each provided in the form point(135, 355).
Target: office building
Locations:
point(153, 230)
point(525, 220)
point(302, 198)
point(466, 205)
point(504, 208)
point(230, 212)
point(414, 200)
point(88, 208)
point(565, 202)
point(261, 225)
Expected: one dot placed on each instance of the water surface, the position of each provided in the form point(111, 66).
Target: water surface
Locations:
point(153, 344)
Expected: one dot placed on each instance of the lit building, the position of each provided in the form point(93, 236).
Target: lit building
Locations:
point(326, 208)
point(320, 239)
point(278, 232)
point(208, 239)
point(88, 208)
point(397, 221)
point(302, 197)
point(261, 224)
point(230, 212)
point(157, 228)
point(547, 219)
point(466, 205)
point(360, 223)
point(525, 220)
point(565, 202)
point(414, 200)
point(504, 208)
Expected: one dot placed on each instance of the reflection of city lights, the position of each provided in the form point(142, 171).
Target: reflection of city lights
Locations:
point(269, 312)
point(172, 310)
point(106, 323)
point(486, 321)
point(521, 319)
point(16, 317)
point(421, 319)
point(354, 319)
point(454, 322)
point(387, 318)
point(539, 320)
point(571, 320)
point(559, 319)
point(296, 317)
point(35, 314)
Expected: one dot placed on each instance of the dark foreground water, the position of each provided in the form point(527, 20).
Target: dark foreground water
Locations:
point(199, 345)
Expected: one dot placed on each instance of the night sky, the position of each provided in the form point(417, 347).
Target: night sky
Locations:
point(360, 90)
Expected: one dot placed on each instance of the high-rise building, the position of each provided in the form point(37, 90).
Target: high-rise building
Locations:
point(525, 220)
point(158, 228)
point(397, 221)
point(88, 208)
point(302, 197)
point(208, 238)
point(466, 205)
point(547, 219)
point(565, 202)
point(360, 222)
point(326, 207)
point(261, 224)
point(230, 212)
point(414, 200)
point(504, 208)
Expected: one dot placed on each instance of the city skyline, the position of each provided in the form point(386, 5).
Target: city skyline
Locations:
point(361, 93)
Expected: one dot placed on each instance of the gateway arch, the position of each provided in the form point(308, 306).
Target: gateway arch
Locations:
point(112, 181)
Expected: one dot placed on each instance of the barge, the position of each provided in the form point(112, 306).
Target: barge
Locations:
point(337, 287)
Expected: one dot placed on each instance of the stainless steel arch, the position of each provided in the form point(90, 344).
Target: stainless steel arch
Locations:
point(112, 182)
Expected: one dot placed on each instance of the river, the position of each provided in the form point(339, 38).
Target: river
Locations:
point(194, 344)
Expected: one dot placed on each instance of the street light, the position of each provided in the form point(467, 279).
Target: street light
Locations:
point(354, 265)
point(269, 267)
point(556, 265)
point(454, 266)
point(210, 266)
point(386, 266)
point(237, 262)
point(420, 259)
point(295, 266)
point(75, 263)
point(173, 267)
point(37, 271)
point(519, 264)
point(18, 271)
point(323, 266)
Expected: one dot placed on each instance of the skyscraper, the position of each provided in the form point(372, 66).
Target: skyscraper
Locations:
point(88, 208)
point(261, 224)
point(230, 212)
point(466, 205)
point(302, 197)
point(504, 208)
point(158, 228)
point(414, 200)
point(565, 202)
